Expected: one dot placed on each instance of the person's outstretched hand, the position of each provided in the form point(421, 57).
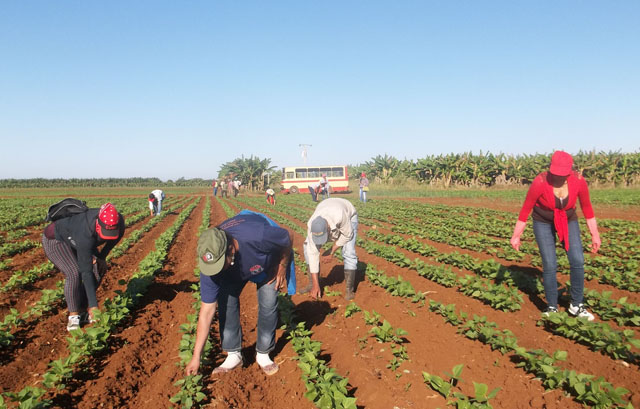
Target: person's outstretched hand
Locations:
point(515, 242)
point(315, 293)
point(595, 243)
point(192, 367)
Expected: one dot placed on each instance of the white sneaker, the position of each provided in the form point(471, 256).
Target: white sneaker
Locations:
point(580, 311)
point(73, 323)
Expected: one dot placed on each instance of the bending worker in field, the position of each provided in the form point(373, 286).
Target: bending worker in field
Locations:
point(271, 196)
point(334, 220)
point(243, 248)
point(155, 202)
point(71, 243)
point(552, 197)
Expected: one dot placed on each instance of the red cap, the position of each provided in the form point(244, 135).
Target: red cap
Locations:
point(107, 223)
point(561, 163)
point(362, 175)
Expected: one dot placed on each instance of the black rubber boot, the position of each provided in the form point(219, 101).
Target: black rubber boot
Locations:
point(349, 280)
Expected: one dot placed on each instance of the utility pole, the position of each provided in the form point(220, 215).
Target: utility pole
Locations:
point(304, 151)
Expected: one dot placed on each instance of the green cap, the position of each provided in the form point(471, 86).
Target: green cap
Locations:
point(212, 247)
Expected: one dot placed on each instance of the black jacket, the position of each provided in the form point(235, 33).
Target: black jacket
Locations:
point(79, 232)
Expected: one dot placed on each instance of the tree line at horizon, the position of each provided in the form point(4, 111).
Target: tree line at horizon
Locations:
point(454, 169)
point(487, 169)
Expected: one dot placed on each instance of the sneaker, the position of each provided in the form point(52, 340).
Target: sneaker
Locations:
point(549, 310)
point(73, 323)
point(580, 312)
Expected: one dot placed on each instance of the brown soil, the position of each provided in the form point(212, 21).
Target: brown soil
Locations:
point(141, 365)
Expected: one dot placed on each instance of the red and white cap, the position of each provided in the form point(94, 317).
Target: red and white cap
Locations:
point(107, 223)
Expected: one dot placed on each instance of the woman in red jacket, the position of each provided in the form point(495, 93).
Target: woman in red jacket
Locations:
point(552, 198)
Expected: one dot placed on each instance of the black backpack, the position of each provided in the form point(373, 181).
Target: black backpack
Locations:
point(65, 208)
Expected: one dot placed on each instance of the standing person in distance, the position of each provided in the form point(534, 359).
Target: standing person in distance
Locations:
point(223, 188)
point(72, 245)
point(231, 187)
point(324, 182)
point(243, 248)
point(155, 202)
point(336, 220)
point(552, 196)
point(214, 185)
point(364, 187)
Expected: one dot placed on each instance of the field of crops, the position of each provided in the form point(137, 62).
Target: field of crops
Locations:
point(445, 313)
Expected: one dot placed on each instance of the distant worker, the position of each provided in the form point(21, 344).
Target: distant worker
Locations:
point(314, 190)
point(223, 188)
point(231, 187)
point(244, 248)
point(155, 202)
point(552, 196)
point(271, 196)
point(324, 182)
point(334, 220)
point(214, 185)
point(71, 244)
point(364, 187)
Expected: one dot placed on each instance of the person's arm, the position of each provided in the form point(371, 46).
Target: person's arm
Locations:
point(205, 318)
point(595, 235)
point(283, 265)
point(85, 270)
point(283, 261)
point(587, 210)
point(534, 192)
point(313, 260)
point(517, 232)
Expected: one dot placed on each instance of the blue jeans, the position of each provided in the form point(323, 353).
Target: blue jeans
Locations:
point(229, 314)
point(546, 238)
point(313, 194)
point(349, 249)
point(363, 196)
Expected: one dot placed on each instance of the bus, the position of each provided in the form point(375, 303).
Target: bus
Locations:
point(297, 178)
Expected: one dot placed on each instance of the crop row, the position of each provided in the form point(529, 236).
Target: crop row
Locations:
point(585, 388)
point(190, 393)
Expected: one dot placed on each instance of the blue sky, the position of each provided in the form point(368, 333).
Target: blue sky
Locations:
point(177, 88)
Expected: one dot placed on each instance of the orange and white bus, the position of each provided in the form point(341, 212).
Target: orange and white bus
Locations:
point(298, 178)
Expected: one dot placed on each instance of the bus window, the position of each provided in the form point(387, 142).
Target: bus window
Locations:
point(326, 171)
point(313, 173)
point(289, 175)
point(337, 172)
point(301, 173)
